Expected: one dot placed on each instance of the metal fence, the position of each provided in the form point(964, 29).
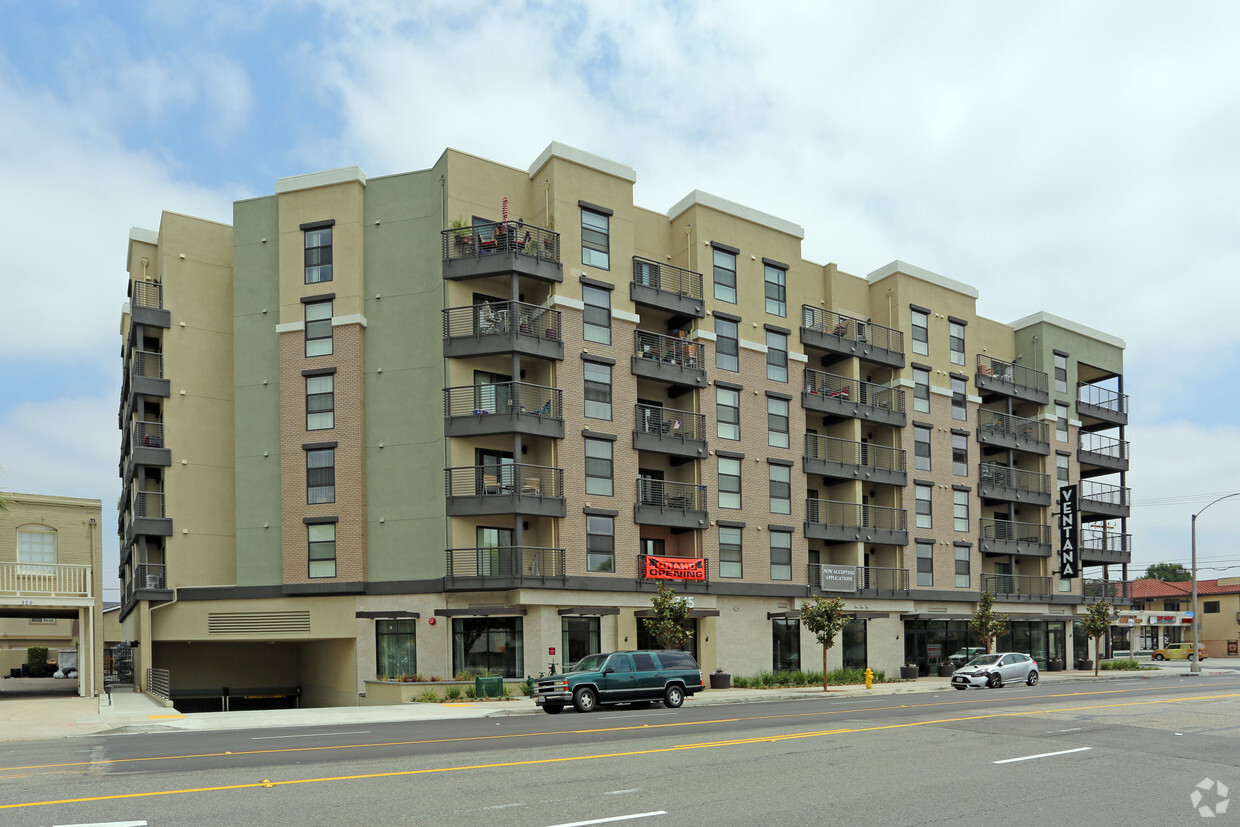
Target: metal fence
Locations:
point(1101, 397)
point(501, 238)
point(999, 424)
point(1001, 476)
point(685, 496)
point(147, 294)
point(856, 515)
point(506, 561)
point(1012, 530)
point(1019, 375)
point(671, 349)
point(666, 277)
point(503, 398)
point(1109, 446)
point(502, 319)
point(1016, 585)
point(856, 330)
point(849, 452)
point(159, 683)
point(830, 385)
point(652, 419)
point(493, 480)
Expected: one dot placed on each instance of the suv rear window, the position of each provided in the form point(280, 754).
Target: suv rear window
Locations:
point(672, 659)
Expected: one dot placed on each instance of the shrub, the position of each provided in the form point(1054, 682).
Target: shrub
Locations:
point(453, 693)
point(36, 661)
point(1120, 665)
point(471, 692)
point(770, 680)
point(430, 696)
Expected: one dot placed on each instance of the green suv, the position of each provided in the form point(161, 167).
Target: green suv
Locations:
point(667, 675)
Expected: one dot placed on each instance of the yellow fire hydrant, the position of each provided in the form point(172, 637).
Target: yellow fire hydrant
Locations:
point(869, 677)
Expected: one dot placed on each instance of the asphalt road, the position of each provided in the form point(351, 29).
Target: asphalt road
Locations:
point(1125, 751)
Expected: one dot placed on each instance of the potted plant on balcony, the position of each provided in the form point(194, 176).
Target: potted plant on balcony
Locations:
point(719, 679)
point(462, 236)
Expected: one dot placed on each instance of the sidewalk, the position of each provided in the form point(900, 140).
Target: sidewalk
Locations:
point(30, 718)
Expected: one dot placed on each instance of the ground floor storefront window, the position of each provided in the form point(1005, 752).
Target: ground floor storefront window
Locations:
point(487, 644)
point(1043, 639)
point(581, 638)
point(927, 643)
point(395, 652)
point(645, 640)
point(785, 644)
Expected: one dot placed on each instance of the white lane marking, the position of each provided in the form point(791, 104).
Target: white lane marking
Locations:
point(107, 824)
point(613, 818)
point(312, 735)
point(624, 792)
point(1074, 729)
point(634, 715)
point(1042, 755)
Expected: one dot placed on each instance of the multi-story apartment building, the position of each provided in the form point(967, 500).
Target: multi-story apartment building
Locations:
point(467, 417)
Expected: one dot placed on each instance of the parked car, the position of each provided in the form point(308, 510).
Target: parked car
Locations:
point(962, 656)
point(1178, 651)
point(995, 670)
point(642, 677)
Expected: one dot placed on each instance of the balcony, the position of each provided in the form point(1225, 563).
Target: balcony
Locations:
point(1014, 485)
point(1100, 407)
point(872, 581)
point(146, 304)
point(1112, 591)
point(146, 444)
point(843, 459)
point(842, 522)
point(839, 397)
point(147, 510)
point(1101, 546)
point(44, 581)
point(479, 490)
point(996, 378)
point(678, 434)
point(502, 248)
point(664, 287)
point(1018, 587)
point(676, 505)
point(503, 408)
point(844, 336)
point(501, 329)
point(669, 359)
point(146, 374)
point(1100, 454)
point(1012, 537)
point(1000, 430)
point(474, 568)
point(1101, 501)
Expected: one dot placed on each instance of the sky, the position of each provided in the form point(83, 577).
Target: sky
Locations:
point(1077, 158)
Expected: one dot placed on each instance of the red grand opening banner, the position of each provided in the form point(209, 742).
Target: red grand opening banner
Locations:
point(675, 568)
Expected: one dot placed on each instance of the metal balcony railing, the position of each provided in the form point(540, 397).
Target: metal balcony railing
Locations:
point(652, 419)
point(147, 363)
point(829, 385)
point(503, 398)
point(495, 480)
point(848, 452)
point(501, 237)
point(1102, 397)
point(855, 330)
point(1102, 539)
point(1006, 425)
point(506, 561)
point(1095, 589)
point(150, 576)
point(993, 529)
point(666, 277)
point(502, 319)
point(1001, 476)
point(147, 434)
point(1016, 585)
point(856, 515)
point(1100, 492)
point(670, 349)
point(1108, 446)
point(147, 294)
point(45, 580)
point(148, 504)
point(684, 496)
point(1019, 375)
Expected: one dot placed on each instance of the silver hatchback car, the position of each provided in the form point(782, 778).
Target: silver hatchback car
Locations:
point(995, 670)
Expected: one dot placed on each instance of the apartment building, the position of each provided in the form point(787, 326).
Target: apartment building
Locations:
point(468, 417)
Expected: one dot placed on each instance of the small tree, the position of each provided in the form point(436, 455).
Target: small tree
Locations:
point(667, 627)
point(986, 623)
point(826, 619)
point(36, 661)
point(1169, 573)
point(1096, 622)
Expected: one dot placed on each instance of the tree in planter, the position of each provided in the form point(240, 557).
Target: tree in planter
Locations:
point(1096, 622)
point(826, 619)
point(987, 624)
point(667, 627)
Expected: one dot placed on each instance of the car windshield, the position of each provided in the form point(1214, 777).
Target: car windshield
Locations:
point(984, 660)
point(590, 663)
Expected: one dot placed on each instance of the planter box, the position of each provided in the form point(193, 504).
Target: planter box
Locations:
point(720, 680)
point(1084, 664)
point(908, 673)
point(946, 670)
point(1054, 666)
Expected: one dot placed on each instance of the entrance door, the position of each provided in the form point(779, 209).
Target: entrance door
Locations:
point(855, 639)
point(496, 474)
point(651, 487)
point(496, 556)
point(491, 393)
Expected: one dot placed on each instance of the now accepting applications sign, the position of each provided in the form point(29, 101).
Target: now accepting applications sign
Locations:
point(839, 578)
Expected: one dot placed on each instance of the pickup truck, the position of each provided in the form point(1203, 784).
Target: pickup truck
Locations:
point(643, 677)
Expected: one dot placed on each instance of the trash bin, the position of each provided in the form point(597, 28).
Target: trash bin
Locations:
point(491, 686)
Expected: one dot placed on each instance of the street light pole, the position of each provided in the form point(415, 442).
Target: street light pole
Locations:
point(1194, 665)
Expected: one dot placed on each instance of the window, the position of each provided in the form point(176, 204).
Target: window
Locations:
point(318, 255)
point(777, 422)
point(781, 489)
point(923, 493)
point(785, 644)
point(921, 390)
point(36, 547)
point(395, 652)
point(960, 409)
point(596, 315)
point(320, 402)
point(1061, 468)
point(729, 482)
point(1210, 607)
point(321, 476)
point(594, 240)
point(599, 467)
point(1061, 422)
point(955, 342)
point(598, 390)
point(725, 276)
point(729, 551)
point(728, 413)
point(781, 555)
point(776, 356)
point(580, 636)
point(652, 547)
point(962, 567)
point(960, 510)
point(776, 291)
point(921, 447)
point(322, 540)
point(318, 328)
point(727, 345)
point(960, 455)
point(600, 543)
point(921, 333)
point(488, 644)
point(1061, 372)
point(925, 563)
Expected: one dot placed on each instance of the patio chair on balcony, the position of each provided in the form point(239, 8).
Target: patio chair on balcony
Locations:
point(490, 484)
point(532, 485)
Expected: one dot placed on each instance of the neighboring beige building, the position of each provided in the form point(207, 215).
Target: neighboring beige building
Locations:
point(51, 556)
point(466, 418)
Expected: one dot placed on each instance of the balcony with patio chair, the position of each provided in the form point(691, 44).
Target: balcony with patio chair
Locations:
point(1015, 537)
point(477, 490)
point(503, 408)
point(678, 434)
point(843, 336)
point(999, 483)
point(501, 329)
point(667, 288)
point(838, 397)
point(996, 378)
point(1001, 431)
point(671, 360)
point(676, 505)
point(501, 248)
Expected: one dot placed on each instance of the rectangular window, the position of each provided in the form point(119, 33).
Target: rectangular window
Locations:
point(318, 328)
point(321, 476)
point(955, 342)
point(395, 652)
point(785, 644)
point(596, 314)
point(320, 402)
point(781, 489)
point(960, 455)
point(725, 276)
point(960, 510)
point(781, 555)
point(1210, 607)
point(597, 390)
point(962, 567)
point(728, 413)
point(599, 467)
point(595, 241)
point(776, 291)
point(729, 482)
point(600, 543)
point(960, 408)
point(729, 552)
point(1061, 422)
point(492, 645)
point(921, 390)
point(727, 345)
point(925, 564)
point(322, 541)
point(318, 255)
point(925, 516)
point(921, 447)
point(580, 637)
point(921, 333)
point(776, 356)
point(1061, 468)
point(777, 422)
point(1061, 373)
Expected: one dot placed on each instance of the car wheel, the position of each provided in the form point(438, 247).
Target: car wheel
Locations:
point(1192, 658)
point(553, 709)
point(961, 688)
point(585, 699)
point(995, 681)
point(1159, 656)
point(1032, 680)
point(673, 697)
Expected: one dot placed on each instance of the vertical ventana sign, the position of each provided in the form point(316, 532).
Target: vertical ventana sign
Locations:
point(1069, 533)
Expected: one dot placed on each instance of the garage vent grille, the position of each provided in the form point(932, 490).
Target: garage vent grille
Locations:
point(258, 623)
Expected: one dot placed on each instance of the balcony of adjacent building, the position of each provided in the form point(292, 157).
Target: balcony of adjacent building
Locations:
point(996, 378)
point(503, 408)
point(841, 337)
point(667, 288)
point(149, 582)
point(143, 445)
point(32, 584)
point(145, 516)
point(838, 397)
point(144, 376)
point(680, 435)
point(1018, 588)
point(1001, 431)
point(503, 566)
point(845, 522)
point(999, 483)
point(1099, 407)
point(1115, 592)
point(871, 581)
point(844, 459)
point(502, 248)
point(146, 304)
point(1103, 501)
point(1101, 545)
point(534, 490)
point(503, 328)
point(1101, 454)
point(675, 505)
point(1014, 537)
point(670, 360)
